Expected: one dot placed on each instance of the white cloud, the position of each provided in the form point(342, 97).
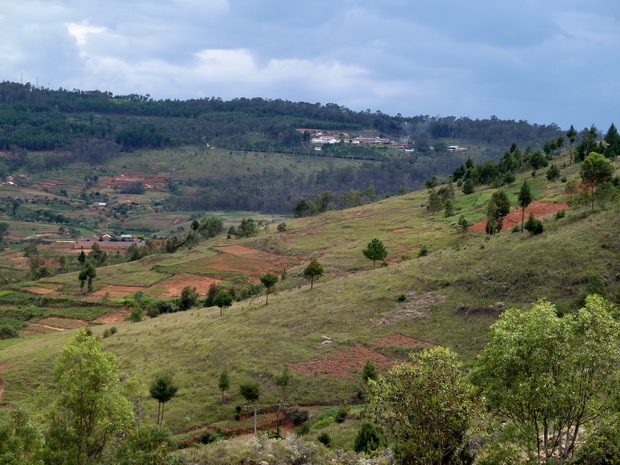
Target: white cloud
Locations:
point(83, 30)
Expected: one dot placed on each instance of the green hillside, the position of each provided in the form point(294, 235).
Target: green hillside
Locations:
point(448, 297)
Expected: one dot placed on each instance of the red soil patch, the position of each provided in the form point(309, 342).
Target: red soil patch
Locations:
point(399, 340)
point(237, 250)
point(41, 290)
point(344, 364)
point(176, 284)
point(117, 291)
point(115, 316)
point(539, 209)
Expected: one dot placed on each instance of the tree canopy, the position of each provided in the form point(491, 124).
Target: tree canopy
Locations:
point(594, 170)
point(551, 376)
point(313, 270)
point(375, 250)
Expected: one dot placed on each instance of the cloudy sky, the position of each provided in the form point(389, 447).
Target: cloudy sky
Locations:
point(545, 61)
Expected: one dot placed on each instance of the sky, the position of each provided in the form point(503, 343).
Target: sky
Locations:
point(546, 61)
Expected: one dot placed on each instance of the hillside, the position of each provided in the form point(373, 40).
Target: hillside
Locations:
point(448, 297)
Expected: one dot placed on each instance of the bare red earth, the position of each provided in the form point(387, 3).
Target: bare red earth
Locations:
point(539, 209)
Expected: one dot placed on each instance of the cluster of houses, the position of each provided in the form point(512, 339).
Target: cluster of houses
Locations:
point(106, 240)
point(330, 139)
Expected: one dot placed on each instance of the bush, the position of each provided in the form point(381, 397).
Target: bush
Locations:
point(8, 332)
point(423, 252)
point(533, 225)
point(135, 315)
point(281, 227)
point(299, 417)
point(369, 438)
point(208, 437)
point(325, 439)
point(560, 214)
point(343, 411)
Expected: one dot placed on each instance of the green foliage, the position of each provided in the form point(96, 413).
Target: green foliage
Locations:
point(548, 375)
point(268, 280)
point(533, 225)
point(425, 407)
point(283, 380)
point(135, 315)
point(21, 442)
point(223, 300)
point(375, 250)
point(325, 439)
point(250, 391)
point(90, 409)
point(189, 298)
point(369, 438)
point(553, 173)
point(594, 170)
point(497, 209)
point(342, 412)
point(369, 372)
point(223, 382)
point(8, 331)
point(312, 271)
point(525, 198)
point(247, 228)
point(148, 444)
point(162, 389)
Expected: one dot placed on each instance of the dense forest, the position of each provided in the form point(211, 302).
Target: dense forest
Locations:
point(93, 127)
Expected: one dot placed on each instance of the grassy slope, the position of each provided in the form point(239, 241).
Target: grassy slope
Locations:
point(352, 304)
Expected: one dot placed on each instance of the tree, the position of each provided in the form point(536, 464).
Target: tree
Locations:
point(594, 170)
point(224, 382)
point(4, 230)
point(162, 389)
point(426, 408)
point(189, 297)
point(469, 187)
point(369, 371)
point(21, 441)
point(497, 209)
point(312, 271)
point(91, 273)
point(223, 300)
point(525, 198)
point(90, 409)
point(268, 280)
point(571, 134)
point(283, 380)
point(551, 377)
point(250, 391)
point(369, 438)
point(375, 250)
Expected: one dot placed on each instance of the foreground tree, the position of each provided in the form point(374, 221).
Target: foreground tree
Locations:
point(283, 380)
point(162, 389)
point(525, 198)
point(90, 411)
point(312, 271)
point(594, 170)
point(21, 442)
point(551, 378)
point(375, 250)
point(268, 280)
point(425, 407)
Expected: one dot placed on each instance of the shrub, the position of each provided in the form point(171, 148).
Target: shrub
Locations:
point(325, 439)
point(299, 417)
point(135, 315)
point(369, 438)
point(8, 332)
point(343, 411)
point(401, 298)
point(533, 225)
point(560, 214)
point(107, 333)
point(281, 227)
point(113, 330)
point(208, 437)
point(423, 252)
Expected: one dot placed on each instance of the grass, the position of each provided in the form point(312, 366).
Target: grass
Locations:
point(351, 304)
